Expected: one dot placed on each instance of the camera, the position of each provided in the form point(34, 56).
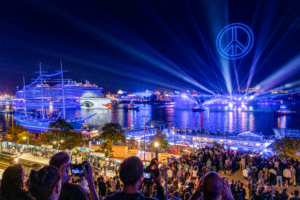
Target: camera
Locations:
point(146, 175)
point(152, 168)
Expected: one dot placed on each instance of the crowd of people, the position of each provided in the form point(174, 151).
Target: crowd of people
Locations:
point(195, 176)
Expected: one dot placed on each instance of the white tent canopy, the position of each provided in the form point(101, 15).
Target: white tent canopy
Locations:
point(250, 134)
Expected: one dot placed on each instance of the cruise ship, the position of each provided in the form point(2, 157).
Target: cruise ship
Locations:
point(85, 95)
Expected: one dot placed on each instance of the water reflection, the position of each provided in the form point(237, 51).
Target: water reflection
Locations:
point(226, 121)
point(281, 122)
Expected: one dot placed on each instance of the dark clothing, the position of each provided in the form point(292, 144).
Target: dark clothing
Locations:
point(22, 196)
point(283, 197)
point(137, 196)
point(279, 172)
point(72, 191)
point(294, 198)
point(102, 189)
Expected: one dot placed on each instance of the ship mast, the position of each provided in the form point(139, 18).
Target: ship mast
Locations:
point(24, 95)
point(63, 92)
point(42, 90)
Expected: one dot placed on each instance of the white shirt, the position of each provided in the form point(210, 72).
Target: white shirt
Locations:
point(273, 171)
point(245, 173)
point(287, 173)
point(113, 185)
point(170, 174)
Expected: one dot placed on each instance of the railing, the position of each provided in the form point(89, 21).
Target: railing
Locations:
point(228, 137)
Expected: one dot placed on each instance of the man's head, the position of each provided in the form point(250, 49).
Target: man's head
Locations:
point(296, 193)
point(211, 186)
point(131, 171)
point(62, 162)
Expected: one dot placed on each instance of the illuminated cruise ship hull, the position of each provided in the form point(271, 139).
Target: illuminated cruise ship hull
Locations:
point(54, 96)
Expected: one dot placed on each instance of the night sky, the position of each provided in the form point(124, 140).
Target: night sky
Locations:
point(139, 45)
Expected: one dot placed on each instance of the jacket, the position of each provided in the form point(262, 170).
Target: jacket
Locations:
point(137, 196)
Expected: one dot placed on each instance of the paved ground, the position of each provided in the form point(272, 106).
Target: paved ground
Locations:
point(238, 176)
point(27, 157)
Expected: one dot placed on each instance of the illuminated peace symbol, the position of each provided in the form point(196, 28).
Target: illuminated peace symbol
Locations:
point(235, 41)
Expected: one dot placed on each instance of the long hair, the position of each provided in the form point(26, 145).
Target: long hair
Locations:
point(43, 182)
point(12, 184)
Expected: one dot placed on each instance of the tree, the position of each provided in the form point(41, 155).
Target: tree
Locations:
point(22, 138)
point(153, 97)
point(162, 140)
point(287, 147)
point(215, 144)
point(105, 147)
point(17, 130)
point(61, 125)
point(113, 133)
point(72, 140)
point(45, 138)
point(61, 130)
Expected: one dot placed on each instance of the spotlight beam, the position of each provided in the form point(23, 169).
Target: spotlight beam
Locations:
point(285, 72)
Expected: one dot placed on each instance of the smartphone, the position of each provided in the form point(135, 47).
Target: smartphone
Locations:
point(146, 175)
point(77, 169)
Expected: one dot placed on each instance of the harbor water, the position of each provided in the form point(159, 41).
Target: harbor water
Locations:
point(222, 121)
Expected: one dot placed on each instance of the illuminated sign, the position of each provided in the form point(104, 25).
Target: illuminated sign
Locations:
point(235, 41)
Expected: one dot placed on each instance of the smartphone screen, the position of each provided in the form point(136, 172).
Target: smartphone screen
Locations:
point(77, 169)
point(146, 175)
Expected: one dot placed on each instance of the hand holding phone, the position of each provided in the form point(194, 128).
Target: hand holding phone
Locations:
point(146, 175)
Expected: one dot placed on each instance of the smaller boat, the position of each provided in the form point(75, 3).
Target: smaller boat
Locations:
point(131, 106)
point(283, 111)
point(198, 108)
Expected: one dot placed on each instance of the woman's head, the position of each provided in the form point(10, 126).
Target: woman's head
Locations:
point(45, 184)
point(12, 181)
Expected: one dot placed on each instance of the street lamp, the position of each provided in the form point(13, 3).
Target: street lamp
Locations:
point(156, 146)
point(27, 140)
point(144, 137)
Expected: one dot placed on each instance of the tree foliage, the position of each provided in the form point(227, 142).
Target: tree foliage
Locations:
point(215, 144)
point(113, 133)
point(105, 147)
point(18, 129)
point(45, 138)
point(162, 140)
point(61, 132)
point(22, 138)
point(287, 147)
